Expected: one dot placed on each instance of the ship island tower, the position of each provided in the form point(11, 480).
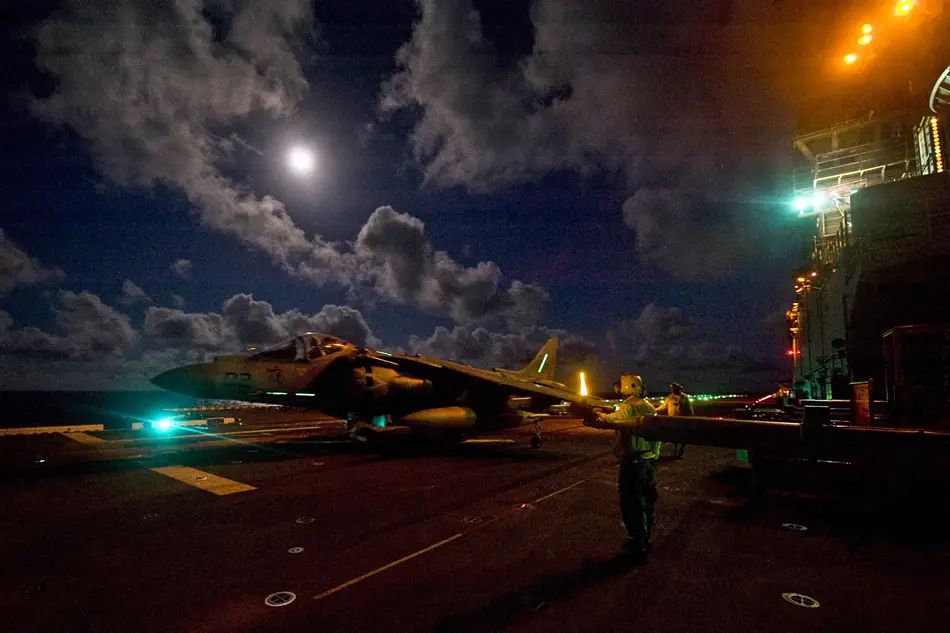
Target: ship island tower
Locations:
point(873, 184)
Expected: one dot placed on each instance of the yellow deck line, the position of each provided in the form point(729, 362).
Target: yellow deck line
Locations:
point(39, 430)
point(85, 438)
point(564, 489)
point(205, 481)
point(350, 583)
point(385, 567)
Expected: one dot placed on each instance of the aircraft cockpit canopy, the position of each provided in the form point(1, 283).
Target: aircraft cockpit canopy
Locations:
point(305, 347)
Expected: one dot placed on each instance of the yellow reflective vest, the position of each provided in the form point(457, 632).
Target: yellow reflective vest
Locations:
point(633, 446)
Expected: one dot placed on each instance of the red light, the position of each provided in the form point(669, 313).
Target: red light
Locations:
point(814, 274)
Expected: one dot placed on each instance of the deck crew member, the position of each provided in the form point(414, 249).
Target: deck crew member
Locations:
point(637, 458)
point(677, 403)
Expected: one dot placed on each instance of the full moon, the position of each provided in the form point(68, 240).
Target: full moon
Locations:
point(301, 160)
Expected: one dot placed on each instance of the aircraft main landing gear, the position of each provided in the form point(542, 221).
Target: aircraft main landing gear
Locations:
point(536, 438)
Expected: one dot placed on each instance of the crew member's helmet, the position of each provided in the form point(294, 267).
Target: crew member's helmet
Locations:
point(676, 388)
point(632, 385)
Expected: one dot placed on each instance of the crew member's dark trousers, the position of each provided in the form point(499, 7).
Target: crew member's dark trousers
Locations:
point(638, 498)
point(679, 449)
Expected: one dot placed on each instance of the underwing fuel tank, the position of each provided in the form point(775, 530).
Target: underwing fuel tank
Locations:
point(441, 418)
point(405, 383)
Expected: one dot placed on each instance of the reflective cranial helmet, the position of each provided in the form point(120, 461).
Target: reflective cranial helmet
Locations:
point(631, 385)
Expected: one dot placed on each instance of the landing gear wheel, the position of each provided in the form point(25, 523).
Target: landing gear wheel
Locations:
point(357, 429)
point(535, 441)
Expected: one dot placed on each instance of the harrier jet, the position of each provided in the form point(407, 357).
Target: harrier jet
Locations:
point(377, 392)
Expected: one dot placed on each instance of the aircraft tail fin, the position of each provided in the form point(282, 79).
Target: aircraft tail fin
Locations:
point(543, 365)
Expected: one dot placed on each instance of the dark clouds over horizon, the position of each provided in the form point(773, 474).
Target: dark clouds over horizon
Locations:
point(668, 112)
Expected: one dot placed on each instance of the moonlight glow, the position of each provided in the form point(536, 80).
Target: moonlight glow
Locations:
point(301, 160)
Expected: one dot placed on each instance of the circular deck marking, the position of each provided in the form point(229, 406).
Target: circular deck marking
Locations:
point(318, 463)
point(800, 600)
point(472, 520)
point(280, 599)
point(150, 516)
point(795, 526)
point(295, 550)
point(236, 461)
point(200, 478)
point(304, 520)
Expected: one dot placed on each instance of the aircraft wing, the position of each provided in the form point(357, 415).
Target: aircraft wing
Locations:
point(436, 370)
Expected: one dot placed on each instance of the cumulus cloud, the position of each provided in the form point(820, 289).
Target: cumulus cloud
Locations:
point(245, 321)
point(95, 328)
point(186, 330)
point(88, 329)
point(17, 268)
point(666, 103)
point(147, 105)
point(403, 266)
point(664, 344)
point(692, 232)
point(178, 301)
point(182, 267)
point(511, 350)
point(30, 341)
point(131, 293)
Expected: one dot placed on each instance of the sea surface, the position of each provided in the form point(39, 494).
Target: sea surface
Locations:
point(114, 409)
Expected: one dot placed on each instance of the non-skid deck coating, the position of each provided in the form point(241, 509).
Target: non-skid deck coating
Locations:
point(484, 537)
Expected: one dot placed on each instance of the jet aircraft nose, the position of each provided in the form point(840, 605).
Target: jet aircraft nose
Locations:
point(190, 379)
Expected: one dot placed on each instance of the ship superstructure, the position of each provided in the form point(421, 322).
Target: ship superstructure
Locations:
point(874, 182)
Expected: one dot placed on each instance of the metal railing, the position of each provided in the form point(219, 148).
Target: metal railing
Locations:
point(860, 165)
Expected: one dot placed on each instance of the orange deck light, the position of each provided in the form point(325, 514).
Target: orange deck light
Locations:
point(904, 7)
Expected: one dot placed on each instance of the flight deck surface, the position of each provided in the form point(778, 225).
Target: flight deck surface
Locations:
point(181, 535)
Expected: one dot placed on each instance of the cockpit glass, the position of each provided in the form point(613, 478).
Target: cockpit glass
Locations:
point(283, 351)
point(312, 344)
point(332, 345)
point(307, 346)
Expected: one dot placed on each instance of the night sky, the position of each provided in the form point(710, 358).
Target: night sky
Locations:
point(487, 174)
